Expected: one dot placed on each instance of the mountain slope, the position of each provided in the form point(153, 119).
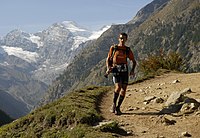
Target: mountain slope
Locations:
point(21, 86)
point(174, 26)
point(4, 118)
point(85, 61)
point(29, 62)
point(148, 10)
point(14, 108)
point(71, 116)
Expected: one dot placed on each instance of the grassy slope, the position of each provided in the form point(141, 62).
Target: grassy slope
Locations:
point(71, 116)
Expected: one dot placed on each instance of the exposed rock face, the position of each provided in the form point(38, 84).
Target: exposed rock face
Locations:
point(148, 10)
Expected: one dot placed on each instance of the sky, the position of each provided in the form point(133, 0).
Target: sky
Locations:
point(33, 16)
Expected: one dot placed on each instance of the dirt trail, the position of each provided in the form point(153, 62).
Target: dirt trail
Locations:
point(142, 119)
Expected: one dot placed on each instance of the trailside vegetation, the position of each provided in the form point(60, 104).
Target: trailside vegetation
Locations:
point(154, 62)
point(72, 116)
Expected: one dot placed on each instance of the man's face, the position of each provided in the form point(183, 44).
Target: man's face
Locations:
point(122, 38)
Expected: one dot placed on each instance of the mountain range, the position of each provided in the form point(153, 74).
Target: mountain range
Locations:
point(30, 62)
point(161, 26)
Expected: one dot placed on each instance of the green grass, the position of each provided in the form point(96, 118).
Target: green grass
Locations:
point(72, 116)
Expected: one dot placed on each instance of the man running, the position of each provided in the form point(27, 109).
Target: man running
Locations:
point(116, 63)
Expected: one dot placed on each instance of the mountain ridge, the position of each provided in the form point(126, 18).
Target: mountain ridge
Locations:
point(30, 62)
point(87, 68)
point(148, 37)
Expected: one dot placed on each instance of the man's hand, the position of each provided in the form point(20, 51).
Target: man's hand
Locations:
point(109, 70)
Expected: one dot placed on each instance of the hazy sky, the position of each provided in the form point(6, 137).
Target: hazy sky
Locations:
point(35, 15)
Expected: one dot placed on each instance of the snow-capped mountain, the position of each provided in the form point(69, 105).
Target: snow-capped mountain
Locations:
point(50, 50)
point(61, 42)
point(41, 56)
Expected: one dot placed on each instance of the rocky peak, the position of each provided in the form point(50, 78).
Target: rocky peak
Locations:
point(18, 38)
point(148, 10)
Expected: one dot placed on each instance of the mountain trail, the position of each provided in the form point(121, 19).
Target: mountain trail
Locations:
point(141, 110)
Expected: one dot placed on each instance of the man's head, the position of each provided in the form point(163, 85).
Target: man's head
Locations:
point(123, 37)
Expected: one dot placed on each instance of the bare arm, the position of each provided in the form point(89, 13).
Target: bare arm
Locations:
point(132, 72)
point(108, 62)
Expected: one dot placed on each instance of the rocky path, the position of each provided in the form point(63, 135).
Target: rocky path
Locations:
point(141, 108)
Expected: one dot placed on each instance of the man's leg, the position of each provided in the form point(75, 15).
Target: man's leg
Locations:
point(121, 99)
point(115, 96)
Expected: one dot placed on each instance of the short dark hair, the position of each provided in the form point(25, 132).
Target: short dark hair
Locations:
point(124, 34)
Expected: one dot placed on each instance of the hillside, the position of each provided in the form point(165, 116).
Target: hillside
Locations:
point(20, 93)
point(172, 27)
point(85, 112)
point(87, 68)
point(71, 116)
point(14, 108)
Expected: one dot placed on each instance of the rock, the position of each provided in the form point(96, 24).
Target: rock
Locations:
point(197, 113)
point(144, 131)
point(190, 100)
point(149, 98)
point(174, 108)
point(146, 102)
point(130, 109)
point(198, 100)
point(178, 102)
point(141, 90)
point(161, 84)
point(167, 121)
point(134, 108)
point(104, 123)
point(159, 88)
point(186, 91)
point(143, 108)
point(174, 98)
point(158, 100)
point(129, 95)
point(186, 134)
point(176, 81)
point(189, 107)
point(130, 132)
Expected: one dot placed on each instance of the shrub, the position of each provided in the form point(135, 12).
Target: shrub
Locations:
point(170, 61)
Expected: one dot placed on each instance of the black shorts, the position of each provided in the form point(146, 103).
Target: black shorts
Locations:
point(122, 78)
